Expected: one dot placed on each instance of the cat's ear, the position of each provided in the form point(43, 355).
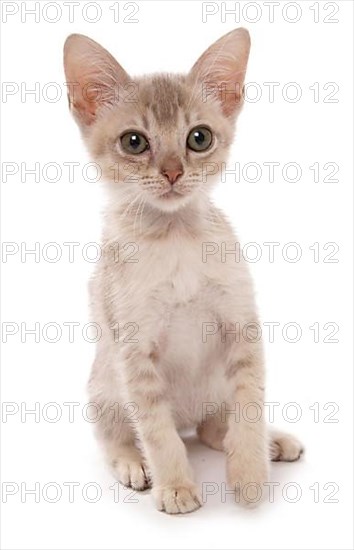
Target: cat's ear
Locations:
point(93, 77)
point(221, 69)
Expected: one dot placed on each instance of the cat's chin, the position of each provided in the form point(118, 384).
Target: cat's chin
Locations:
point(170, 202)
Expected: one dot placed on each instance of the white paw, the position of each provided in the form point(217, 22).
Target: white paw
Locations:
point(177, 499)
point(131, 473)
point(285, 447)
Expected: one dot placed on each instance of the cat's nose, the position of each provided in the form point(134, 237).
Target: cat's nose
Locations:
point(172, 170)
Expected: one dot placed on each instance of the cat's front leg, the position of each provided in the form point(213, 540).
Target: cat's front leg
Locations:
point(173, 488)
point(246, 442)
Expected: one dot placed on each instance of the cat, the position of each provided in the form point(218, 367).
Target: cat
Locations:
point(156, 371)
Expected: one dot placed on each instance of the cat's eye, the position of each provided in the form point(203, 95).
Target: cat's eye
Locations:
point(134, 143)
point(199, 139)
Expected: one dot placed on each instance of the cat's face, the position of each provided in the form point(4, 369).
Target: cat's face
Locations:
point(165, 147)
point(161, 139)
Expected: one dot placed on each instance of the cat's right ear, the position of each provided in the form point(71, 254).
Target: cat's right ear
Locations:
point(93, 78)
point(221, 70)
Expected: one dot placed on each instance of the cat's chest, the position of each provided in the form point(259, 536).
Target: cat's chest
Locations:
point(170, 273)
point(176, 271)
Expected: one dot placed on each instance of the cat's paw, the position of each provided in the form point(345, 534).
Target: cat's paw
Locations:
point(247, 477)
point(131, 473)
point(177, 499)
point(285, 447)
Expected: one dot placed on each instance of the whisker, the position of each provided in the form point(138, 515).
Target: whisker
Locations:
point(136, 213)
point(130, 205)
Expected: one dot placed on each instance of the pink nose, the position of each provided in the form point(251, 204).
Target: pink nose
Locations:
point(172, 174)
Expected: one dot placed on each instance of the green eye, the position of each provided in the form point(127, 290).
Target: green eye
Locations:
point(134, 143)
point(199, 139)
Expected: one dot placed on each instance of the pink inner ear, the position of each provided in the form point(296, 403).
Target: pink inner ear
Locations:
point(229, 93)
point(231, 96)
point(84, 99)
point(93, 77)
point(85, 111)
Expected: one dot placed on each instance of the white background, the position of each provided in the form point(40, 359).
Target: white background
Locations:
point(170, 36)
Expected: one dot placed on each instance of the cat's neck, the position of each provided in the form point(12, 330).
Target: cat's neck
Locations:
point(148, 222)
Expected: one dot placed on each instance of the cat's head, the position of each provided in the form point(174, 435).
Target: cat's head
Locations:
point(160, 138)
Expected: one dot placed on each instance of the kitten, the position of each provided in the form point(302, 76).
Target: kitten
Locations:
point(169, 357)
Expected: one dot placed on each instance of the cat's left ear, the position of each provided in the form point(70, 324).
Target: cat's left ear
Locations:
point(221, 70)
point(93, 78)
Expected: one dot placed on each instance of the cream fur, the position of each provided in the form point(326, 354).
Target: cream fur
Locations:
point(166, 369)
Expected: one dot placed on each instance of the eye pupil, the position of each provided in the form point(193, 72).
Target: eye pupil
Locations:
point(135, 141)
point(199, 137)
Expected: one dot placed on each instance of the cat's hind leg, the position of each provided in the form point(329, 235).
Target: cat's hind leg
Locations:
point(212, 432)
point(282, 446)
